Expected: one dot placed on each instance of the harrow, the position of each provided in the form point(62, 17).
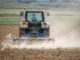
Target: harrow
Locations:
point(29, 36)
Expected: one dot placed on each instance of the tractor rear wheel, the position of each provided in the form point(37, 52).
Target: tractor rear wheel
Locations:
point(46, 32)
point(22, 32)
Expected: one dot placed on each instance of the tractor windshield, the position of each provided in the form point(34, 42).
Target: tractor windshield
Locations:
point(34, 16)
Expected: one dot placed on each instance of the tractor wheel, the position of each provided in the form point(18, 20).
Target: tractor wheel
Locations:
point(46, 32)
point(22, 32)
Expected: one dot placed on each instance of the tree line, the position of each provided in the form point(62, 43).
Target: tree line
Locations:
point(28, 1)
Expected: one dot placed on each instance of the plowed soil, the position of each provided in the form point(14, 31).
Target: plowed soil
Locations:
point(8, 29)
point(33, 54)
point(26, 54)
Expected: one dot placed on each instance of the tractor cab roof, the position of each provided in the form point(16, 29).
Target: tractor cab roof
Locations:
point(32, 10)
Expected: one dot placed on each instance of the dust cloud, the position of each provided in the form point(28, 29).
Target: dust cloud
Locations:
point(66, 35)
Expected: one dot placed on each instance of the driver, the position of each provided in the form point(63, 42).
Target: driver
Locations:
point(34, 19)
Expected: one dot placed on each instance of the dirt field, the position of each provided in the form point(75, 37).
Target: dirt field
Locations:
point(65, 28)
point(34, 54)
point(26, 54)
point(8, 29)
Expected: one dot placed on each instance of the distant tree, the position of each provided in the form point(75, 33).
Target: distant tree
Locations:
point(25, 1)
point(53, 0)
point(19, 0)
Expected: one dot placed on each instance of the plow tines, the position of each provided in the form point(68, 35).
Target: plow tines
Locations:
point(25, 37)
point(32, 39)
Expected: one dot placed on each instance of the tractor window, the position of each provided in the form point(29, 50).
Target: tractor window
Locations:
point(34, 17)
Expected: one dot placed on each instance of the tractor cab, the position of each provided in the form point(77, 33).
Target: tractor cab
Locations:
point(34, 16)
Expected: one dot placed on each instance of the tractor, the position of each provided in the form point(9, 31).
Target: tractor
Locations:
point(34, 25)
point(34, 19)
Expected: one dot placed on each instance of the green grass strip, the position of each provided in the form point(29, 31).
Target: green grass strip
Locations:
point(10, 21)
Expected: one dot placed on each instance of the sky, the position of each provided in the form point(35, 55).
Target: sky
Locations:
point(43, 0)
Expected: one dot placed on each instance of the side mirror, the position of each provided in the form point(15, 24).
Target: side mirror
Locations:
point(48, 14)
point(21, 13)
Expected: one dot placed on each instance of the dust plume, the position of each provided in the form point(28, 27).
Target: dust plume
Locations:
point(66, 36)
point(65, 33)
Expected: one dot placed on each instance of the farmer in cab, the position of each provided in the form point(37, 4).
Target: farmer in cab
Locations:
point(34, 19)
